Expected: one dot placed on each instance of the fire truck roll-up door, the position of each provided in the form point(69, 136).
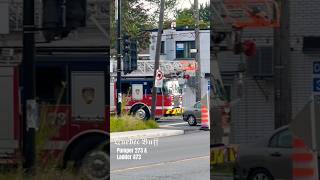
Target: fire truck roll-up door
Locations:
point(112, 98)
point(7, 141)
point(88, 95)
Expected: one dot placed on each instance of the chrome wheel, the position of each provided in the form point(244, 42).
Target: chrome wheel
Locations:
point(141, 114)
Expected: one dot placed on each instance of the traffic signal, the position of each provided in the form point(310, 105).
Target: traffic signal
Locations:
point(126, 65)
point(58, 23)
point(125, 53)
point(126, 44)
point(52, 19)
point(134, 55)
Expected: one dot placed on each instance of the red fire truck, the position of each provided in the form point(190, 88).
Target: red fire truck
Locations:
point(72, 103)
point(137, 94)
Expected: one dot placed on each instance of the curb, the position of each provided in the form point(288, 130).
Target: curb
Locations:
point(143, 134)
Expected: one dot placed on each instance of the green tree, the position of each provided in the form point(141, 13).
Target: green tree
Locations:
point(204, 12)
point(185, 17)
point(137, 17)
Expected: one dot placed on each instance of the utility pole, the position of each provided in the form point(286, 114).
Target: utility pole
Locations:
point(118, 19)
point(28, 84)
point(197, 41)
point(157, 59)
point(283, 111)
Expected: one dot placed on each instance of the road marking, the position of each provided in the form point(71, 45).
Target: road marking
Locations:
point(158, 164)
point(173, 124)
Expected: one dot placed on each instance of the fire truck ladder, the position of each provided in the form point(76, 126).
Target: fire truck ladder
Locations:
point(146, 67)
point(167, 67)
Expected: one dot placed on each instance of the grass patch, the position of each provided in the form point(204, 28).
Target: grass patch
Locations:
point(130, 123)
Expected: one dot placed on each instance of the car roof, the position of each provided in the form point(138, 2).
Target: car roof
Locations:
point(280, 129)
point(265, 139)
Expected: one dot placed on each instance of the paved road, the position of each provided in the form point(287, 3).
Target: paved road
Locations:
point(183, 157)
point(177, 123)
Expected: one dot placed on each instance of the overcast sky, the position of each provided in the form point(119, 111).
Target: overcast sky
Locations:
point(186, 3)
point(181, 4)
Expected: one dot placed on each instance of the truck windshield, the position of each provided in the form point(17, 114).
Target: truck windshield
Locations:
point(171, 87)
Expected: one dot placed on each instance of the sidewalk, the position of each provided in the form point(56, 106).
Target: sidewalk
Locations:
point(140, 134)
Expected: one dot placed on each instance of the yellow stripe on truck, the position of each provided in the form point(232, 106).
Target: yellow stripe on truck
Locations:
point(175, 111)
point(168, 111)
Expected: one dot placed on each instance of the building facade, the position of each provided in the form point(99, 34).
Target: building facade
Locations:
point(180, 45)
point(253, 93)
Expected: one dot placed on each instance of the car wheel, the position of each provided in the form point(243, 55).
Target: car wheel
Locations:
point(260, 174)
point(192, 120)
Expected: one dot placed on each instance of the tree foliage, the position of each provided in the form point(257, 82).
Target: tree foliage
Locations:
point(137, 17)
point(185, 17)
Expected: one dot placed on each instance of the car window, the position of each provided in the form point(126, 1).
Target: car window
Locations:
point(285, 139)
point(273, 141)
point(282, 139)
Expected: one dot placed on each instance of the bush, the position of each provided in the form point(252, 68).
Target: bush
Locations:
point(130, 123)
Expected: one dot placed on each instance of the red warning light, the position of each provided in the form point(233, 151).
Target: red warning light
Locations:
point(186, 76)
point(249, 48)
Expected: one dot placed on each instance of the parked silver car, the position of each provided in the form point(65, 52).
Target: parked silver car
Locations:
point(192, 114)
point(268, 159)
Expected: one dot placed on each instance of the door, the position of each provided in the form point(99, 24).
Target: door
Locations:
point(279, 155)
point(112, 97)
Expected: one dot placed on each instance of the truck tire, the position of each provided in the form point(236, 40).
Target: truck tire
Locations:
point(141, 113)
point(91, 160)
point(95, 165)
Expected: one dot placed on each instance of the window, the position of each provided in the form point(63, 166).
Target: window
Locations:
point(183, 49)
point(227, 89)
point(162, 50)
point(261, 64)
point(126, 88)
point(282, 139)
point(285, 139)
point(50, 84)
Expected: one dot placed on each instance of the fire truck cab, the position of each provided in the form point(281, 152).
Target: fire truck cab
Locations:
point(73, 108)
point(137, 96)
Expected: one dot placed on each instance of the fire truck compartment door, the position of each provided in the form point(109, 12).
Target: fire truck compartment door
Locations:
point(7, 140)
point(88, 95)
